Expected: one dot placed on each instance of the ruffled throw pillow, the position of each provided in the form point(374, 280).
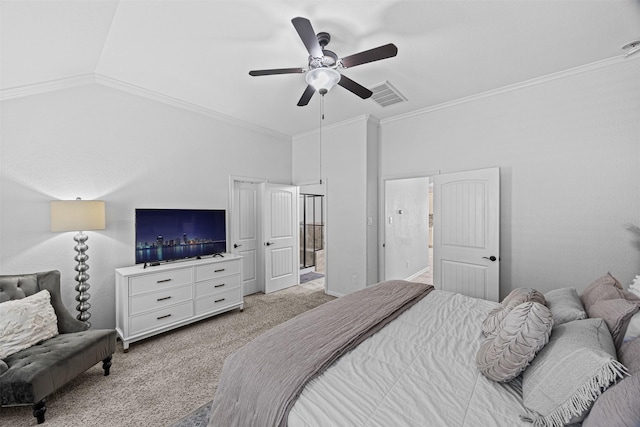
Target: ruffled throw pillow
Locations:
point(515, 342)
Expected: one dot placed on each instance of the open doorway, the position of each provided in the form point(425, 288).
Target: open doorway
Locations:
point(312, 214)
point(408, 229)
point(426, 276)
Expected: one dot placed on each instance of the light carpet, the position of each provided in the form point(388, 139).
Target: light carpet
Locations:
point(164, 378)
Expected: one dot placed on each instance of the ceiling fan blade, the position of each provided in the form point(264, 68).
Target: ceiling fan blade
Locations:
point(308, 36)
point(306, 96)
point(354, 87)
point(277, 71)
point(381, 52)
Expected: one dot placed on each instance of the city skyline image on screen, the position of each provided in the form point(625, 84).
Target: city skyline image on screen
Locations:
point(171, 234)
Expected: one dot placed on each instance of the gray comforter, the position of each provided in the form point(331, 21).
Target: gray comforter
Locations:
point(260, 382)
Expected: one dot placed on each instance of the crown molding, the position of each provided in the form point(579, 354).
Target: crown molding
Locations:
point(95, 78)
point(361, 118)
point(615, 62)
point(48, 86)
point(185, 105)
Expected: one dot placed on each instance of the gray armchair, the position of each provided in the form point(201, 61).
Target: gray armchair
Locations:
point(30, 375)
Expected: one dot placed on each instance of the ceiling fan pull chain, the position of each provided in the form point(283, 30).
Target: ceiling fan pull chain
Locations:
point(320, 148)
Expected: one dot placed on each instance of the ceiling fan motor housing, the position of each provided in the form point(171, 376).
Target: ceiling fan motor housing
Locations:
point(328, 60)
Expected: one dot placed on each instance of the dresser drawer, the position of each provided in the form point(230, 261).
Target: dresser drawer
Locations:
point(160, 317)
point(218, 301)
point(219, 269)
point(163, 298)
point(215, 286)
point(156, 281)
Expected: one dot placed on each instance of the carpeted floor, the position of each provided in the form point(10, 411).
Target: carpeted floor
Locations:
point(161, 380)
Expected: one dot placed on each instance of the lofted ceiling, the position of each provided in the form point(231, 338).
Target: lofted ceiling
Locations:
point(199, 53)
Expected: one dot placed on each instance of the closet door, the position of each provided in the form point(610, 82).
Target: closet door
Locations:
point(246, 233)
point(466, 228)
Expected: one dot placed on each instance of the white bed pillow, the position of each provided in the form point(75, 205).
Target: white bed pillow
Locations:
point(26, 322)
point(570, 372)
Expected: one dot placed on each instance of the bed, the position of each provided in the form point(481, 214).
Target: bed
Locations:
point(428, 358)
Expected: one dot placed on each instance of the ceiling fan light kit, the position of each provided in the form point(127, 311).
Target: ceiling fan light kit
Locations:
point(322, 74)
point(323, 79)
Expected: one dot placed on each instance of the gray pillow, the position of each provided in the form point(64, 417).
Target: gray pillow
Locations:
point(565, 305)
point(617, 314)
point(3, 367)
point(618, 406)
point(511, 301)
point(605, 287)
point(513, 345)
point(629, 356)
point(570, 372)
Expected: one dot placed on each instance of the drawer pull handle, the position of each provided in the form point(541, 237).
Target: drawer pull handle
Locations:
point(164, 317)
point(219, 270)
point(163, 298)
point(219, 286)
point(163, 281)
point(219, 300)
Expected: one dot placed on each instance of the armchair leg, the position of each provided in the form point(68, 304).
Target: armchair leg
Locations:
point(39, 409)
point(106, 365)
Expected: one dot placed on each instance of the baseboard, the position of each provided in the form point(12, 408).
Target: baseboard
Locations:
point(413, 276)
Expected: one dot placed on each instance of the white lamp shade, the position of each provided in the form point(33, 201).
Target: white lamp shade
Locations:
point(323, 79)
point(77, 215)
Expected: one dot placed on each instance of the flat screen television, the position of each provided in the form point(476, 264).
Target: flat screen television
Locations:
point(172, 234)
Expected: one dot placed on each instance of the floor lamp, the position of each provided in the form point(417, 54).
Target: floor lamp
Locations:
point(79, 215)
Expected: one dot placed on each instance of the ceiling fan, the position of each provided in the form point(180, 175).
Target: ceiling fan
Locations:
point(322, 73)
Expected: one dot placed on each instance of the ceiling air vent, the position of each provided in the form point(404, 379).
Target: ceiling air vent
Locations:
point(385, 94)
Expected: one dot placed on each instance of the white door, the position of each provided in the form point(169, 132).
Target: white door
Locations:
point(280, 226)
point(245, 233)
point(466, 228)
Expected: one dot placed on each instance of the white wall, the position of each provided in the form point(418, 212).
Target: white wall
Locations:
point(569, 154)
point(100, 143)
point(345, 170)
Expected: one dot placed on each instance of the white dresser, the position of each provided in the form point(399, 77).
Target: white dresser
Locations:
point(156, 299)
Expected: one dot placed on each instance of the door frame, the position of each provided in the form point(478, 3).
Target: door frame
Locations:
point(260, 184)
point(382, 202)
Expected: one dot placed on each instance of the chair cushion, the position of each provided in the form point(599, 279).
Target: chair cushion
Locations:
point(37, 371)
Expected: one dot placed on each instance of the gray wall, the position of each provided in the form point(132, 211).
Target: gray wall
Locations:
point(100, 143)
point(349, 155)
point(568, 148)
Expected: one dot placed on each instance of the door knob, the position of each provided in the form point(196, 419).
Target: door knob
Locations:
point(268, 244)
point(235, 246)
point(491, 258)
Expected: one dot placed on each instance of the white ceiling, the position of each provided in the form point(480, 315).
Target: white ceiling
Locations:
point(199, 52)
